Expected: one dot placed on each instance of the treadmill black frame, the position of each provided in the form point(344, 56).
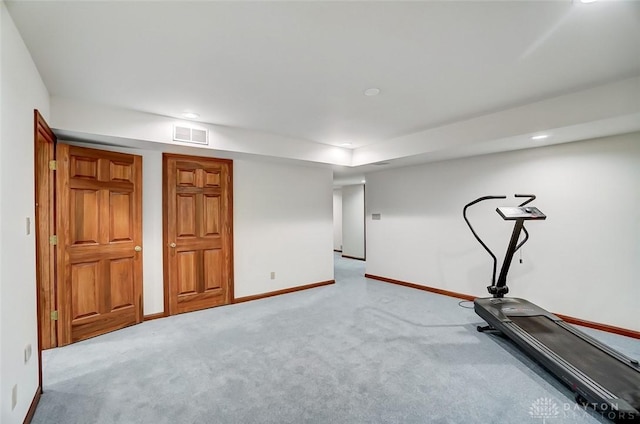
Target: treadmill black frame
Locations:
point(587, 390)
point(496, 311)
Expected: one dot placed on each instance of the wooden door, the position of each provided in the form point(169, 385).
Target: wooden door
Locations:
point(197, 219)
point(99, 222)
point(45, 227)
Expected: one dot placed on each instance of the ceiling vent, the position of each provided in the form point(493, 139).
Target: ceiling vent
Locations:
point(190, 134)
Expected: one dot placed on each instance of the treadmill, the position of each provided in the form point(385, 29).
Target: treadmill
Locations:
point(601, 377)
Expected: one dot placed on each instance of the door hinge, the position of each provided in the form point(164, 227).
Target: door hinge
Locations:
point(53, 240)
point(54, 315)
point(53, 165)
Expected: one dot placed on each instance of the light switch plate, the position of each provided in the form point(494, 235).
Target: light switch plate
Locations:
point(14, 397)
point(27, 353)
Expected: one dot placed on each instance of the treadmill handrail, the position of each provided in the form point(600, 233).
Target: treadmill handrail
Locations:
point(464, 215)
point(531, 197)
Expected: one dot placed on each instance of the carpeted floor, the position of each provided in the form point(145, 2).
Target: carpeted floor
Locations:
point(359, 351)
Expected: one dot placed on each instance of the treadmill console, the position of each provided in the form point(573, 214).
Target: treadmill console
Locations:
point(520, 212)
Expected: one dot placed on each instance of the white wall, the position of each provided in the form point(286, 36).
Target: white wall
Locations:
point(283, 224)
point(287, 226)
point(22, 90)
point(337, 219)
point(353, 223)
point(583, 261)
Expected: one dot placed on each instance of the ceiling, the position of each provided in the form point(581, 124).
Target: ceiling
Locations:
point(300, 68)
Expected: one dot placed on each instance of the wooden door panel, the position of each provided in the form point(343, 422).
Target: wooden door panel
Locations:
point(213, 264)
point(187, 206)
point(211, 216)
point(119, 171)
point(197, 232)
point(45, 226)
point(84, 226)
point(211, 178)
point(187, 272)
point(121, 272)
point(186, 177)
point(120, 212)
point(84, 329)
point(82, 167)
point(85, 290)
point(100, 228)
point(200, 301)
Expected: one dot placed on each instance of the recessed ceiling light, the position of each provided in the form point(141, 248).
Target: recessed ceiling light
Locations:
point(539, 137)
point(371, 91)
point(346, 143)
point(588, 1)
point(190, 115)
point(363, 181)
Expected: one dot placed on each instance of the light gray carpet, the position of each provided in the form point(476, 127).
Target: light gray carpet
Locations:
point(359, 351)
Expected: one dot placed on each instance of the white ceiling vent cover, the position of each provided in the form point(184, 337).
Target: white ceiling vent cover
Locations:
point(190, 134)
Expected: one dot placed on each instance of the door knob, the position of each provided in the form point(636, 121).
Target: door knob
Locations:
point(172, 245)
point(138, 249)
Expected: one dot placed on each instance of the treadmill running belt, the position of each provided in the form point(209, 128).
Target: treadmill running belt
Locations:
point(618, 378)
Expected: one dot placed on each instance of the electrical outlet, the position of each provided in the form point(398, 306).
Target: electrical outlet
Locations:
point(27, 353)
point(273, 275)
point(14, 397)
